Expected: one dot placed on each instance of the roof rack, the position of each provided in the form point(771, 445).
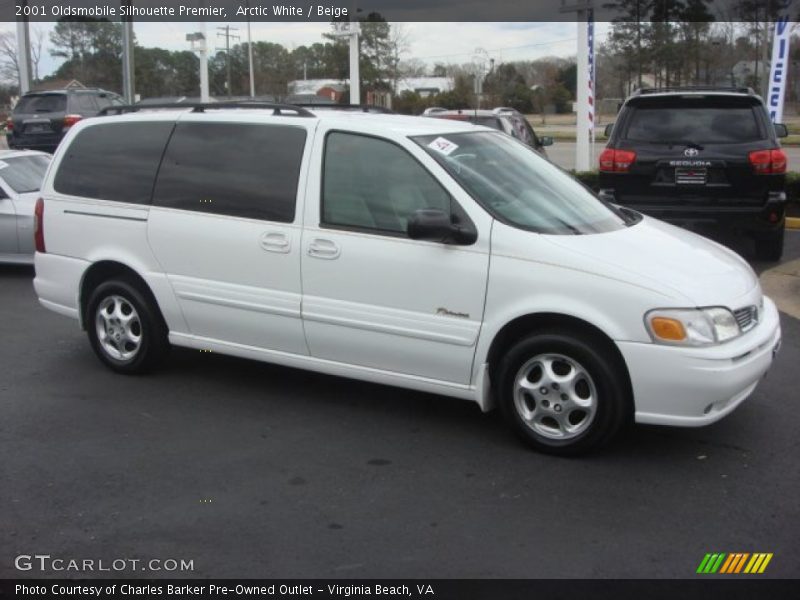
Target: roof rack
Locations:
point(367, 108)
point(695, 88)
point(197, 107)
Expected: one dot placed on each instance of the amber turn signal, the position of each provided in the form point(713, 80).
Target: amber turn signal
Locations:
point(668, 329)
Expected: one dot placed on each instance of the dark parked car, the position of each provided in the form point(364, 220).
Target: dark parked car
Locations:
point(507, 120)
point(700, 156)
point(41, 119)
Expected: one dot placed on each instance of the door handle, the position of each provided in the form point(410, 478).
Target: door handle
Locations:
point(275, 242)
point(322, 248)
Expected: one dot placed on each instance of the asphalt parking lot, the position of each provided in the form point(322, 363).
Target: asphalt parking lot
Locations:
point(253, 470)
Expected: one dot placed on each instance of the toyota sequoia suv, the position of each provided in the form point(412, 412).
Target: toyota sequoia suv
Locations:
point(700, 156)
point(429, 254)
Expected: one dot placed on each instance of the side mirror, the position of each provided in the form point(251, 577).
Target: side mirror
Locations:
point(433, 225)
point(545, 140)
point(780, 130)
point(609, 128)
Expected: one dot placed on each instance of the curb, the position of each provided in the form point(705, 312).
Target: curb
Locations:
point(792, 222)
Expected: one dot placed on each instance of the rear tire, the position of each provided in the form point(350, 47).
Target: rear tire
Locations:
point(561, 393)
point(125, 327)
point(769, 245)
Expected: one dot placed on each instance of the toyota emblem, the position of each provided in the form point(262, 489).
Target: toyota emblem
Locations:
point(691, 152)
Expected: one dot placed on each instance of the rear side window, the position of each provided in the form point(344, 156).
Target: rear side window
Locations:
point(41, 103)
point(241, 170)
point(114, 161)
point(83, 104)
point(688, 122)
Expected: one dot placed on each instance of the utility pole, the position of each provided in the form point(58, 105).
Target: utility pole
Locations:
point(228, 35)
point(128, 78)
point(24, 53)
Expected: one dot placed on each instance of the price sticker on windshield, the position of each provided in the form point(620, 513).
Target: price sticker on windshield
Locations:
point(443, 146)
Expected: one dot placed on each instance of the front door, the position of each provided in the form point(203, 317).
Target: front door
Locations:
point(372, 296)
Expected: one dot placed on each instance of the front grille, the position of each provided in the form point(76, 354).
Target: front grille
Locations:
point(746, 317)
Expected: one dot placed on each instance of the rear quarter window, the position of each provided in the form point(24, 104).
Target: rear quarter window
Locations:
point(83, 104)
point(114, 161)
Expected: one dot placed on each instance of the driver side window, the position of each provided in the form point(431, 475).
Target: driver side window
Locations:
point(370, 183)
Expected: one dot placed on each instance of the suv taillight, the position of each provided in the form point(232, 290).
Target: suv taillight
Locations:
point(616, 161)
point(38, 225)
point(70, 120)
point(9, 124)
point(768, 161)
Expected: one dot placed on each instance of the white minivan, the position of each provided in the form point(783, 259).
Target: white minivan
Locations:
point(423, 253)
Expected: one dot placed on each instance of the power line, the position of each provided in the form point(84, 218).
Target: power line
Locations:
point(501, 49)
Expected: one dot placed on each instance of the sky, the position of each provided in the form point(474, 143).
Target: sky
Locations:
point(430, 42)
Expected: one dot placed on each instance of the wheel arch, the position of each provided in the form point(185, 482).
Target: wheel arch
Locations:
point(524, 325)
point(103, 270)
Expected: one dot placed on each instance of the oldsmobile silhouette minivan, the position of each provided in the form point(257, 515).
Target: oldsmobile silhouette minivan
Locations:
point(423, 253)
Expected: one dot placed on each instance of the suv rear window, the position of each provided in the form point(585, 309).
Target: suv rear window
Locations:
point(114, 161)
point(693, 121)
point(41, 103)
point(237, 169)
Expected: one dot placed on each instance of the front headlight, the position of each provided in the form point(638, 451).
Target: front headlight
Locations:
point(692, 326)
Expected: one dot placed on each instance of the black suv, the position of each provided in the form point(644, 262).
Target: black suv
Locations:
point(700, 156)
point(40, 119)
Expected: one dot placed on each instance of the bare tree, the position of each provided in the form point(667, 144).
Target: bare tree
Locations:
point(37, 43)
point(9, 62)
point(399, 44)
point(9, 66)
point(413, 67)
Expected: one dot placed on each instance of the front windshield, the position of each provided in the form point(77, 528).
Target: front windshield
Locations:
point(24, 173)
point(518, 186)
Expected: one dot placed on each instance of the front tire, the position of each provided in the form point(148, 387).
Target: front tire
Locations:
point(125, 328)
point(562, 393)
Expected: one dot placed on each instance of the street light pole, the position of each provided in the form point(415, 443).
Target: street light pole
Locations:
point(128, 77)
point(198, 44)
point(250, 54)
point(355, 75)
point(203, 52)
point(24, 53)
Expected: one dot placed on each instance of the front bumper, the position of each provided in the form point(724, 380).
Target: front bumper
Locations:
point(691, 387)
